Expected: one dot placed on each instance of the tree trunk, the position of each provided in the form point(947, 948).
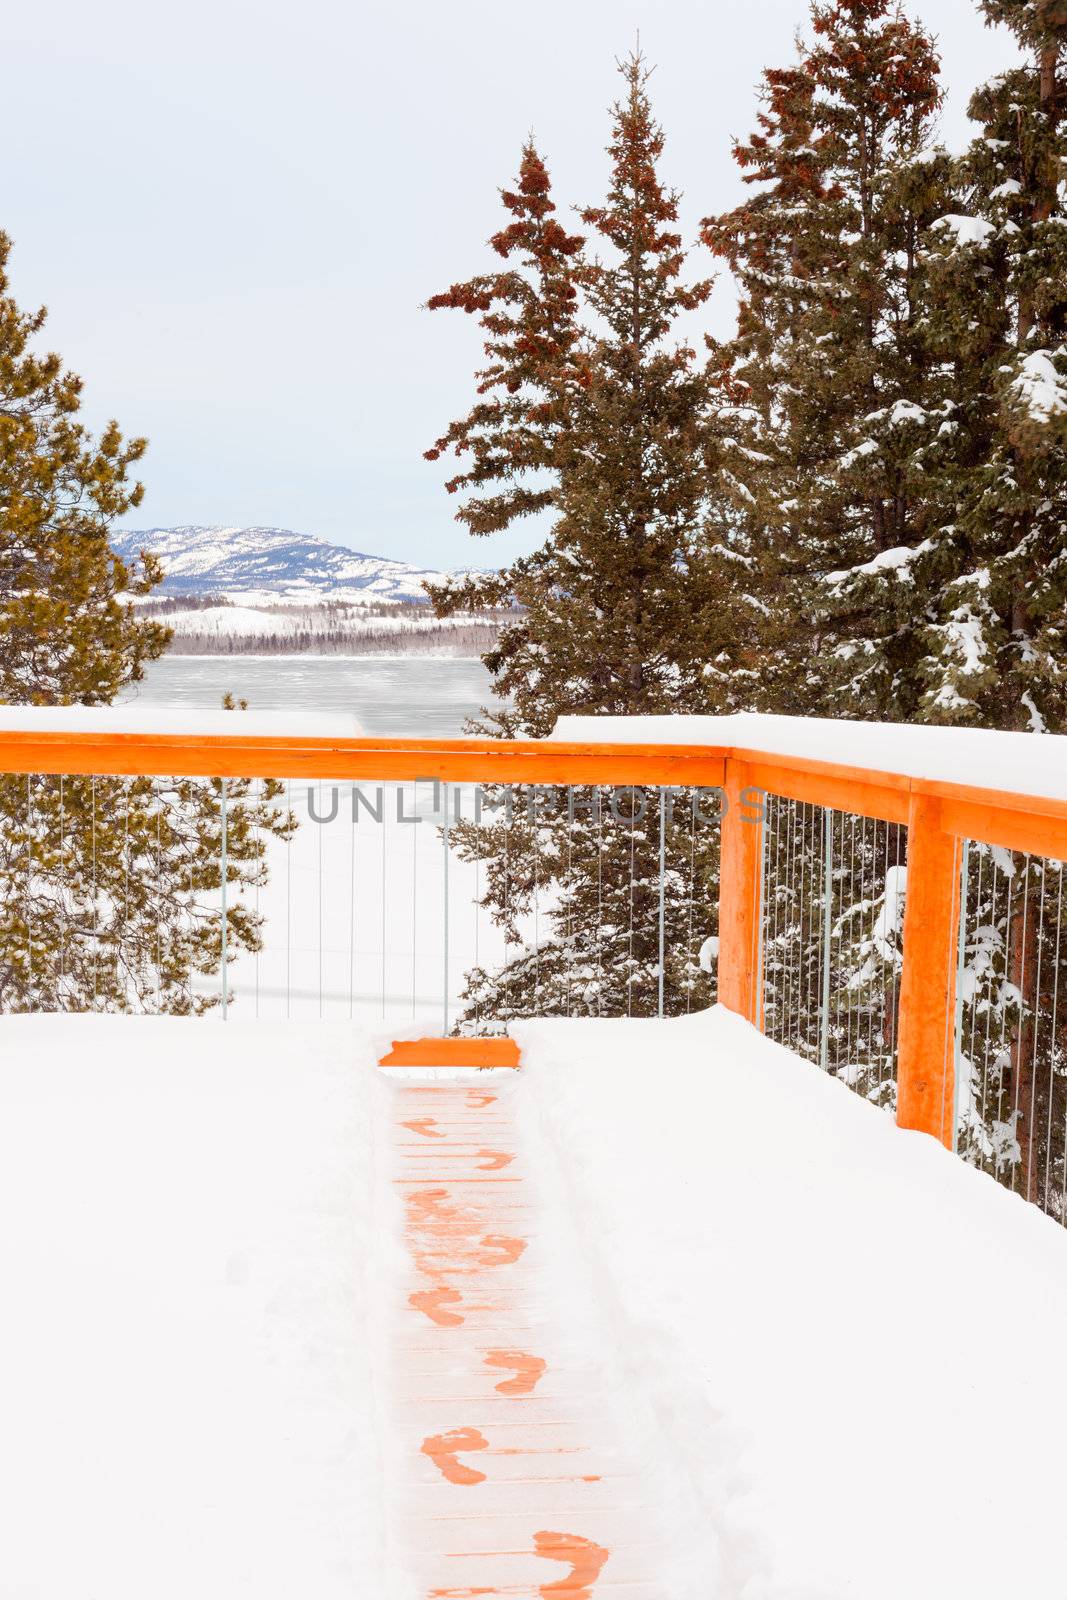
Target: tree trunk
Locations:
point(1049, 58)
point(1046, 178)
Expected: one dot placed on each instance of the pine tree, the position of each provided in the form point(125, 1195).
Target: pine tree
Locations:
point(629, 556)
point(108, 886)
point(838, 406)
point(527, 313)
point(626, 600)
point(831, 373)
point(898, 347)
point(996, 312)
point(66, 632)
point(996, 316)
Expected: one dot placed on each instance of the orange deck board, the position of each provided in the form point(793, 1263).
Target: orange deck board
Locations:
point(496, 1052)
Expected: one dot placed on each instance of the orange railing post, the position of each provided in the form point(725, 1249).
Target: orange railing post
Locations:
point(926, 1042)
point(739, 893)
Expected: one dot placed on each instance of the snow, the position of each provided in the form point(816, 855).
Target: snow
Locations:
point(190, 721)
point(806, 1323)
point(964, 644)
point(186, 1239)
point(888, 933)
point(839, 1327)
point(967, 230)
point(354, 912)
point(1037, 721)
point(272, 563)
point(233, 620)
point(1040, 386)
point(869, 447)
point(271, 620)
point(1015, 763)
point(897, 560)
point(899, 413)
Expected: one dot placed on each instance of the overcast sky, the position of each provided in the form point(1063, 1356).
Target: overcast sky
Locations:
point(234, 212)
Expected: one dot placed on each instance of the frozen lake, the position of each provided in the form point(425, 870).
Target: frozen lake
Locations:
point(410, 697)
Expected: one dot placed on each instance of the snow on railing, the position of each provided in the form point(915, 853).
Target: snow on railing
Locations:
point(886, 901)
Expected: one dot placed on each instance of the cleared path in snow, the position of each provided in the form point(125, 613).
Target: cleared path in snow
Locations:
point(511, 1473)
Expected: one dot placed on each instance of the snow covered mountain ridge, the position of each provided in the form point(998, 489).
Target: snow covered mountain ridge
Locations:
point(271, 564)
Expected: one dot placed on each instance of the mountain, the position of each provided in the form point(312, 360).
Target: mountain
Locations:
point(270, 564)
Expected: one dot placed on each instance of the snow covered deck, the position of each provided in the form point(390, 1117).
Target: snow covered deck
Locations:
point(263, 1306)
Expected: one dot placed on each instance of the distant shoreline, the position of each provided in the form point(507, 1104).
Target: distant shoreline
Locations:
point(295, 655)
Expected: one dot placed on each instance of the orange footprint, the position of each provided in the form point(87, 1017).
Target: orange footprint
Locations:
point(432, 1303)
point(586, 1560)
point(429, 1209)
point(494, 1160)
point(528, 1370)
point(510, 1250)
point(427, 1126)
point(443, 1450)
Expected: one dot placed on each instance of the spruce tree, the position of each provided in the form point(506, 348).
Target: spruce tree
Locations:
point(827, 366)
point(996, 317)
point(108, 886)
point(527, 314)
point(625, 602)
point(996, 309)
point(837, 404)
point(898, 351)
point(904, 493)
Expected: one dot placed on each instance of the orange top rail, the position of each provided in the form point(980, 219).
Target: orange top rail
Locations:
point(391, 760)
point(991, 816)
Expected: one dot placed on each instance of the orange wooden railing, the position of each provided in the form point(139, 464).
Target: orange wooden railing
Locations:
point(937, 814)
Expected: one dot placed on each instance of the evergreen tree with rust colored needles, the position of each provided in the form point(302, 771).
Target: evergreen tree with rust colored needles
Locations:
point(610, 432)
point(528, 314)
